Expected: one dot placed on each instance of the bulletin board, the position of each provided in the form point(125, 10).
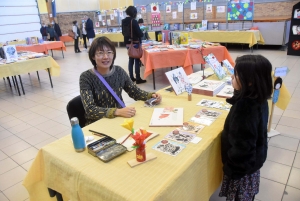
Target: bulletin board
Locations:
point(240, 11)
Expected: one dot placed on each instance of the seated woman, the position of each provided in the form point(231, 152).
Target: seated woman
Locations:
point(98, 102)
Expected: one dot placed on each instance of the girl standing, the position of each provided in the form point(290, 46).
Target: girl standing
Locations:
point(244, 137)
point(77, 35)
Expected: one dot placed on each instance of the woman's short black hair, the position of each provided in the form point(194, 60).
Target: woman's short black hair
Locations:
point(131, 11)
point(74, 22)
point(254, 74)
point(97, 45)
point(140, 20)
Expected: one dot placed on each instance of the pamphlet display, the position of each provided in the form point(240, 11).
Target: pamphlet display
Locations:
point(294, 38)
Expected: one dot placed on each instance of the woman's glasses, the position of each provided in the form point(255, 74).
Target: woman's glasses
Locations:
point(102, 53)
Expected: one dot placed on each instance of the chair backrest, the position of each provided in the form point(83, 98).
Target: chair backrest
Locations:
point(75, 109)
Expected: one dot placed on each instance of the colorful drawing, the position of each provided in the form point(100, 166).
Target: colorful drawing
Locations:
point(169, 147)
point(240, 11)
point(168, 116)
point(178, 79)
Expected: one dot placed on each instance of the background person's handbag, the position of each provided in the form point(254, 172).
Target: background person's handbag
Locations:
point(133, 52)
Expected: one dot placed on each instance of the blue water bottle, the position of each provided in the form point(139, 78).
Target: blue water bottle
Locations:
point(77, 135)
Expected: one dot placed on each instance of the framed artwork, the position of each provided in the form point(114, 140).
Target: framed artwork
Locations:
point(240, 11)
point(10, 52)
point(34, 40)
point(178, 79)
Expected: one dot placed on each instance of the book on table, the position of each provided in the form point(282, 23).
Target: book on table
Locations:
point(226, 92)
point(168, 116)
point(208, 87)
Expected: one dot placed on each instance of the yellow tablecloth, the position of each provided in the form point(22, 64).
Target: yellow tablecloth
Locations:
point(30, 65)
point(194, 174)
point(115, 37)
point(250, 37)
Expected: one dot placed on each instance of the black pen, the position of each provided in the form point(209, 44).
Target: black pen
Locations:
point(98, 134)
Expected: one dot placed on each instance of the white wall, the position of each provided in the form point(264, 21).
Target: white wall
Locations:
point(76, 5)
point(19, 19)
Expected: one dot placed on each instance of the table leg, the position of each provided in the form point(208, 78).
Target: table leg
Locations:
point(37, 72)
point(50, 77)
point(52, 52)
point(8, 81)
point(21, 84)
point(62, 52)
point(153, 79)
point(13, 81)
point(14, 77)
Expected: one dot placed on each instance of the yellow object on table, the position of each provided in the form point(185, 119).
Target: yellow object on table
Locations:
point(194, 174)
point(184, 38)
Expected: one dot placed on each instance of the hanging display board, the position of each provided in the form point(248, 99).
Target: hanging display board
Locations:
point(155, 19)
point(294, 38)
point(240, 10)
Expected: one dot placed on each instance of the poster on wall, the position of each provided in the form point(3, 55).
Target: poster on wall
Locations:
point(121, 14)
point(155, 19)
point(193, 5)
point(240, 11)
point(168, 9)
point(154, 8)
point(220, 9)
point(143, 9)
point(112, 17)
point(180, 7)
point(193, 16)
point(174, 15)
point(97, 24)
point(208, 8)
point(116, 13)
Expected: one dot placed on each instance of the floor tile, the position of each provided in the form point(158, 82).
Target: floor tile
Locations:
point(297, 160)
point(2, 156)
point(292, 113)
point(288, 131)
point(275, 172)
point(270, 190)
point(281, 156)
point(12, 177)
point(5, 133)
point(288, 121)
point(38, 138)
point(9, 141)
point(3, 198)
point(11, 123)
point(25, 156)
point(294, 178)
point(293, 106)
point(45, 142)
point(16, 193)
point(284, 142)
point(291, 194)
point(16, 148)
point(28, 132)
point(20, 127)
point(27, 165)
point(7, 119)
point(6, 165)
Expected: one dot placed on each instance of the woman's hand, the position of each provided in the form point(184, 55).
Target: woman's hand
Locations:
point(127, 112)
point(158, 97)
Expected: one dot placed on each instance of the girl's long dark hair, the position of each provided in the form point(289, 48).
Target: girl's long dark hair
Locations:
point(255, 75)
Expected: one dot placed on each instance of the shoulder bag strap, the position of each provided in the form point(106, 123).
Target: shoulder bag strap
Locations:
point(109, 88)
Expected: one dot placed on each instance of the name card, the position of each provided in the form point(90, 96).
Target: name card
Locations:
point(281, 71)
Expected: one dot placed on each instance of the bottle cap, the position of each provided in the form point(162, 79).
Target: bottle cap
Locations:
point(74, 121)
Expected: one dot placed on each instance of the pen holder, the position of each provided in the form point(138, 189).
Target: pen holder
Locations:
point(141, 154)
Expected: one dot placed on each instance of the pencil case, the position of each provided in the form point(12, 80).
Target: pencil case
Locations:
point(100, 145)
point(111, 152)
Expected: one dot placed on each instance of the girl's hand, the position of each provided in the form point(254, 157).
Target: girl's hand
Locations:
point(158, 97)
point(127, 112)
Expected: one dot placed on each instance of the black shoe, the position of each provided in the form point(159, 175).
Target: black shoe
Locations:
point(133, 79)
point(140, 81)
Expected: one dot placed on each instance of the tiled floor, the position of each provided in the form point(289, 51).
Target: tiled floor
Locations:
point(31, 121)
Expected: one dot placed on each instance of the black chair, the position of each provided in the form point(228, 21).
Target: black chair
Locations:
point(75, 109)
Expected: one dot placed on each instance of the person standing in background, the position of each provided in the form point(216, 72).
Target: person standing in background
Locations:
point(76, 36)
point(84, 34)
point(89, 27)
point(44, 32)
point(57, 31)
point(137, 34)
point(144, 29)
point(51, 32)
